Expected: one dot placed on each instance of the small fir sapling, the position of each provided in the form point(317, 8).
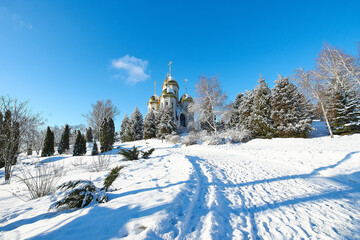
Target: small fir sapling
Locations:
point(131, 154)
point(146, 154)
point(114, 173)
point(94, 150)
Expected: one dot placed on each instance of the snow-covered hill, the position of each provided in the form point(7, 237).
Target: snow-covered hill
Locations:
point(264, 189)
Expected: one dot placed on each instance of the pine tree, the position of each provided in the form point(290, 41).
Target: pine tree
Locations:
point(290, 111)
point(104, 136)
point(344, 109)
point(64, 144)
point(111, 132)
point(135, 128)
point(94, 150)
point(260, 117)
point(234, 112)
point(48, 145)
point(89, 135)
point(78, 151)
point(123, 127)
point(167, 125)
point(245, 110)
point(83, 144)
point(150, 125)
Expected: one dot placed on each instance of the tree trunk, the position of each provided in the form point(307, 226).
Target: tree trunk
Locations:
point(326, 119)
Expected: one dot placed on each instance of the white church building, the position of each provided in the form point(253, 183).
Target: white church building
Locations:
point(170, 97)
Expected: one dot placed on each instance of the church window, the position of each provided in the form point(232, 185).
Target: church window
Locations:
point(167, 103)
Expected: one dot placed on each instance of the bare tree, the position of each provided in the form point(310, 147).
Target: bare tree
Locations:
point(18, 123)
point(210, 103)
point(102, 109)
point(314, 88)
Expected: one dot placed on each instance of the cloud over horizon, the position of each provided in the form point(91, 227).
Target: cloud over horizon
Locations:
point(133, 69)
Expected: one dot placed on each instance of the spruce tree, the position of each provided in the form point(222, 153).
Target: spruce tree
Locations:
point(167, 125)
point(95, 150)
point(83, 144)
point(64, 144)
point(111, 132)
point(245, 110)
point(123, 127)
point(234, 112)
point(48, 145)
point(78, 151)
point(104, 136)
point(344, 109)
point(260, 117)
point(290, 110)
point(2, 140)
point(150, 125)
point(135, 128)
point(89, 135)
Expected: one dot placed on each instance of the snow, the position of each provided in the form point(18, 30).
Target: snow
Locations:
point(263, 189)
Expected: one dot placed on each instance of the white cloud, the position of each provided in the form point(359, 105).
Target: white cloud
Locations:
point(134, 69)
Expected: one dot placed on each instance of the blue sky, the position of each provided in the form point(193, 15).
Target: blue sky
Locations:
point(63, 56)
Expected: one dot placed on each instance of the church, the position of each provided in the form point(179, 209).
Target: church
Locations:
point(170, 97)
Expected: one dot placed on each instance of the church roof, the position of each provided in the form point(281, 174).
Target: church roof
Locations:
point(154, 99)
point(186, 98)
point(170, 80)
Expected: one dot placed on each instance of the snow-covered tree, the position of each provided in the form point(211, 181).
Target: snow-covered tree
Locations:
point(234, 111)
point(166, 125)
point(95, 150)
point(210, 102)
point(123, 127)
point(343, 106)
point(260, 116)
point(135, 128)
point(150, 125)
point(65, 140)
point(290, 111)
point(245, 110)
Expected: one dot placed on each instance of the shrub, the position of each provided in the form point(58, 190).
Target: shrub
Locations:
point(114, 173)
point(79, 194)
point(173, 139)
point(146, 154)
point(190, 139)
point(99, 163)
point(42, 180)
point(130, 154)
point(236, 136)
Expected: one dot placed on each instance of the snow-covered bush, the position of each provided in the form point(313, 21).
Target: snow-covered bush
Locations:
point(190, 139)
point(79, 194)
point(236, 136)
point(213, 139)
point(42, 180)
point(99, 163)
point(173, 138)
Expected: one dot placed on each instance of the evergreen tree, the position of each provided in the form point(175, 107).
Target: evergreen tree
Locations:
point(48, 145)
point(83, 144)
point(2, 140)
point(89, 135)
point(150, 125)
point(78, 150)
point(260, 117)
point(94, 150)
point(290, 110)
point(167, 125)
point(234, 112)
point(245, 110)
point(104, 136)
point(64, 144)
point(344, 109)
point(135, 128)
point(111, 132)
point(123, 127)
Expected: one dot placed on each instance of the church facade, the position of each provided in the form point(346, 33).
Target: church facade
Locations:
point(170, 97)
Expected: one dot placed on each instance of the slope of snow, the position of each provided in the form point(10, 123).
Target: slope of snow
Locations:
point(264, 189)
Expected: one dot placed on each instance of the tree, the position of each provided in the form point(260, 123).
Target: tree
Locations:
point(101, 110)
point(135, 128)
point(89, 135)
point(18, 127)
point(166, 125)
point(107, 135)
point(48, 146)
point(95, 150)
point(150, 125)
point(234, 111)
point(83, 145)
point(290, 110)
point(210, 102)
point(260, 116)
point(111, 132)
point(123, 127)
point(64, 144)
point(78, 146)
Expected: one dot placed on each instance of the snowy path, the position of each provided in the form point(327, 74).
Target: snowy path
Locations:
point(242, 198)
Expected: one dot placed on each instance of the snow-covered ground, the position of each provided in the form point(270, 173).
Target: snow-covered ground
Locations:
point(264, 189)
